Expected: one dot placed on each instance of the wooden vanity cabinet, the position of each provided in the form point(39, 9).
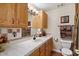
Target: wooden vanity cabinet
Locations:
point(51, 44)
point(42, 50)
point(40, 20)
point(13, 15)
point(35, 53)
point(45, 49)
point(49, 47)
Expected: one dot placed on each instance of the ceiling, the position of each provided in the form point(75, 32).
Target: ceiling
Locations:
point(46, 6)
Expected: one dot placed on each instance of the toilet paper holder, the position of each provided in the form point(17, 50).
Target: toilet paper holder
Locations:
point(56, 39)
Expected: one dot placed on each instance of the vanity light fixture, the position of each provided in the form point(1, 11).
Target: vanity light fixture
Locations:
point(32, 10)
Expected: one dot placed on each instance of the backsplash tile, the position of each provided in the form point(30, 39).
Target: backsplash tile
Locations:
point(18, 30)
point(12, 33)
point(9, 30)
point(0, 31)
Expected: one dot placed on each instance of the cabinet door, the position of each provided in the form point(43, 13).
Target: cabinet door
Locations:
point(8, 15)
point(42, 50)
point(34, 22)
point(44, 20)
point(3, 14)
point(11, 15)
point(47, 48)
point(35, 53)
point(40, 20)
point(22, 14)
point(50, 45)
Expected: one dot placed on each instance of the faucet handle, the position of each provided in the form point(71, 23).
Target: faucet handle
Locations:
point(34, 37)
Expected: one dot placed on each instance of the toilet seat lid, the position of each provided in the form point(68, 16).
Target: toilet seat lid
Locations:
point(67, 51)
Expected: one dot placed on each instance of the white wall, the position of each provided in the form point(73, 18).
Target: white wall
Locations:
point(33, 31)
point(54, 20)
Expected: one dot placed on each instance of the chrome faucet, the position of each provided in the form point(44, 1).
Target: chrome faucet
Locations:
point(34, 37)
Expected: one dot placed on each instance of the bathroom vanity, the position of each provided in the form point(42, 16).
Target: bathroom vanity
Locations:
point(45, 49)
point(27, 46)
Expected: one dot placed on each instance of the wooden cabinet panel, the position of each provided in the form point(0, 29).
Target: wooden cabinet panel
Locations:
point(35, 53)
point(7, 15)
point(22, 14)
point(35, 21)
point(51, 44)
point(13, 15)
point(40, 20)
point(47, 48)
point(42, 50)
point(47, 51)
point(45, 19)
point(3, 14)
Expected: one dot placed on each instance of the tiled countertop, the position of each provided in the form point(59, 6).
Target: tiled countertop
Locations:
point(24, 46)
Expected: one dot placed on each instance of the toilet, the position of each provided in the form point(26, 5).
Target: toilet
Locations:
point(66, 48)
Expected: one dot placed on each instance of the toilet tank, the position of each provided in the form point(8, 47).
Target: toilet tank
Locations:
point(66, 44)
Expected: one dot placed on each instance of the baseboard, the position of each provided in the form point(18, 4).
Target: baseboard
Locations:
point(56, 50)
